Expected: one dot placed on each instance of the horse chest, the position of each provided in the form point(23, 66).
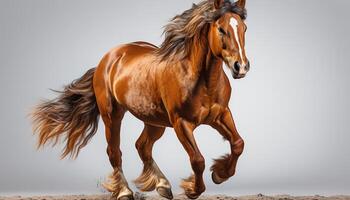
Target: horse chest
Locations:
point(202, 108)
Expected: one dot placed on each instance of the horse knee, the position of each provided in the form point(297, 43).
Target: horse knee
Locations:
point(198, 163)
point(238, 147)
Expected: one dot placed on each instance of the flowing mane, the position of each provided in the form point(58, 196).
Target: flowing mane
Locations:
point(181, 32)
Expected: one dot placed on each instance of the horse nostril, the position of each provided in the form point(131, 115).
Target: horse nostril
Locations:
point(236, 67)
point(247, 67)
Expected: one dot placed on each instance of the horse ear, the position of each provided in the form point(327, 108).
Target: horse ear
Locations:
point(218, 3)
point(241, 3)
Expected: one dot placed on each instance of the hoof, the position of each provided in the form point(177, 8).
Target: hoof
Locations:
point(129, 197)
point(165, 192)
point(192, 196)
point(216, 179)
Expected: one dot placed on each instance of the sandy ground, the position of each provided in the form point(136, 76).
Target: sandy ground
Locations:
point(139, 196)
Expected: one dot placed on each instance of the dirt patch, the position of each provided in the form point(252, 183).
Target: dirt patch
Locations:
point(139, 196)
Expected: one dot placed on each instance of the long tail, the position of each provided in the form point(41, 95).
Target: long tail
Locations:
point(73, 114)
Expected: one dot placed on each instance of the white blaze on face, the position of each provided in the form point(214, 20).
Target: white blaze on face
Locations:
point(234, 24)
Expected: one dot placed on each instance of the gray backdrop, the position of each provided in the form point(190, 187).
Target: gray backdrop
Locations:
point(292, 109)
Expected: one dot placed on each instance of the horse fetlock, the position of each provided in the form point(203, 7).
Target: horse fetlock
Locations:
point(118, 185)
point(222, 169)
point(151, 178)
point(192, 188)
point(216, 179)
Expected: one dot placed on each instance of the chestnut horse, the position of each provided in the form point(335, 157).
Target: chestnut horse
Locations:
point(181, 85)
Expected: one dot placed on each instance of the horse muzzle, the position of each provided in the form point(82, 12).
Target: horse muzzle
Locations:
point(239, 71)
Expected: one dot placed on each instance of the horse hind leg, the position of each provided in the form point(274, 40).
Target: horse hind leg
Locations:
point(151, 178)
point(116, 183)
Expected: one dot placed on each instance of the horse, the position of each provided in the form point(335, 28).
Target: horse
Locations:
point(181, 85)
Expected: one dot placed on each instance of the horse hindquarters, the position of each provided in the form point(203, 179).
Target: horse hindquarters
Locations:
point(112, 114)
point(117, 183)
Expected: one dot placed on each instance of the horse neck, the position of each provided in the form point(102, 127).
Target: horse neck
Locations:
point(204, 64)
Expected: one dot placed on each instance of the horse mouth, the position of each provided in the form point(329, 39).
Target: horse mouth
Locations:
point(238, 76)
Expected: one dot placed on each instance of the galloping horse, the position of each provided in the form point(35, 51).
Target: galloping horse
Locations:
point(181, 85)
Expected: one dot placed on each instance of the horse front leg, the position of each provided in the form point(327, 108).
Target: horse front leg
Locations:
point(225, 167)
point(194, 185)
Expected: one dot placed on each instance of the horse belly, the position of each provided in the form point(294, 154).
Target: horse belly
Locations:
point(146, 108)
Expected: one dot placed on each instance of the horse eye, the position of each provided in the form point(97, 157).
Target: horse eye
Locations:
point(222, 31)
point(224, 46)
